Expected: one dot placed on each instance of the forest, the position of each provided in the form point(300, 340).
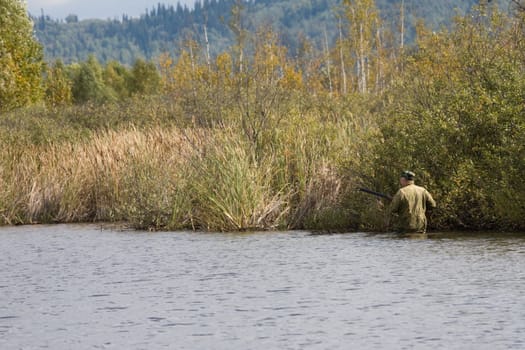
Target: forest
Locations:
point(255, 138)
point(165, 28)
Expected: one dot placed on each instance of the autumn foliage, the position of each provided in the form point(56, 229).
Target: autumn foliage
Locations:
point(255, 139)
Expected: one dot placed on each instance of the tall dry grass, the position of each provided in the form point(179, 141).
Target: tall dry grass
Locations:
point(97, 179)
point(168, 178)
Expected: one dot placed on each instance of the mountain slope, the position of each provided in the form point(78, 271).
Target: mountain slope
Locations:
point(166, 28)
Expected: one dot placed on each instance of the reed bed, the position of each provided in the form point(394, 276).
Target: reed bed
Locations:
point(168, 178)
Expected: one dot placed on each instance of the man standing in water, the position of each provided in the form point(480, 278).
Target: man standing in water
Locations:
point(409, 205)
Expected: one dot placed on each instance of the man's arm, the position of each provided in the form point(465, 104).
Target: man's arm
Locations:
point(393, 210)
point(396, 201)
point(431, 203)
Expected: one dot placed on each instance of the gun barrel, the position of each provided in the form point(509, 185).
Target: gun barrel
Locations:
point(374, 193)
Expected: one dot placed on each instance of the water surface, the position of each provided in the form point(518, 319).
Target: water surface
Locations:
point(83, 287)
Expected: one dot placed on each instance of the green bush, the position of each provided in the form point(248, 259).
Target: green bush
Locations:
point(456, 116)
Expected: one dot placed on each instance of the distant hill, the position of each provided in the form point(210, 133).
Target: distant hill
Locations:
point(165, 28)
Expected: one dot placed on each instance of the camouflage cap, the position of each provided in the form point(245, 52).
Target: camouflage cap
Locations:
point(407, 174)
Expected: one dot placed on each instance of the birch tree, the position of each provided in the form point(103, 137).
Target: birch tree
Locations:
point(363, 19)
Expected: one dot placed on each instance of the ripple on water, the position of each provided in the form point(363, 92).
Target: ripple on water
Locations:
point(66, 285)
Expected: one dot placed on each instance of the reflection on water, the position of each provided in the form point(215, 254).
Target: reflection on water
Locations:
point(79, 287)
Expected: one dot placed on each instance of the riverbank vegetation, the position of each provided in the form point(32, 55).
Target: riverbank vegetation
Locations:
point(254, 139)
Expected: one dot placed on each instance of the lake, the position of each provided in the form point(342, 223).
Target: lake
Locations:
point(84, 287)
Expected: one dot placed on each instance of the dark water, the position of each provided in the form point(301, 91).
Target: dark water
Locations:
point(80, 287)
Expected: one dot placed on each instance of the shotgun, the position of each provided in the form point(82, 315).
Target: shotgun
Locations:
point(377, 194)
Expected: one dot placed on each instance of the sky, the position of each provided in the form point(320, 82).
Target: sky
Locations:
point(102, 9)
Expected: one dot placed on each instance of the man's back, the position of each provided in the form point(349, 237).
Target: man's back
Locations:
point(409, 205)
